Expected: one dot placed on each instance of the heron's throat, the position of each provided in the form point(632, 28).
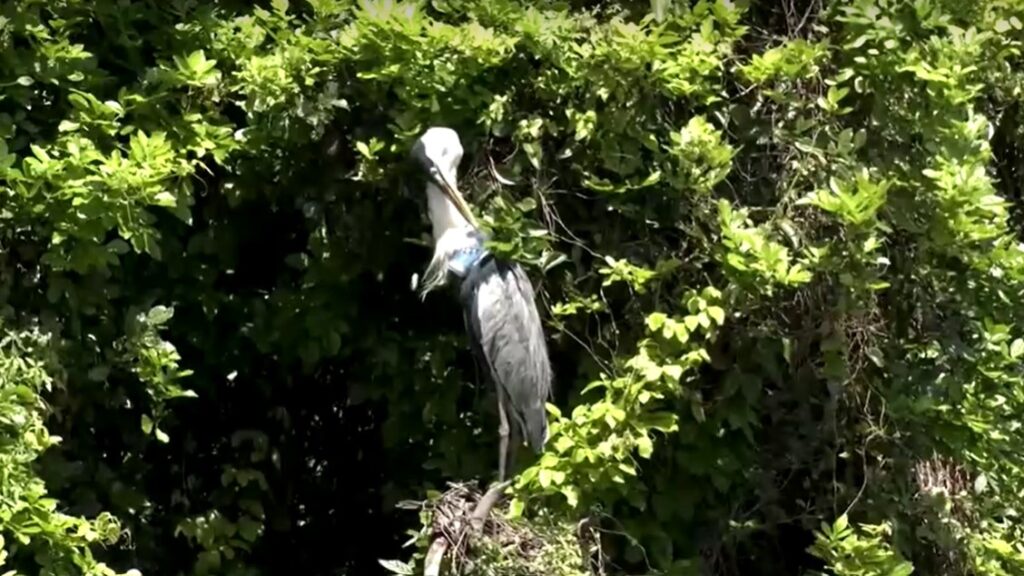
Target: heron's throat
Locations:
point(457, 243)
point(444, 215)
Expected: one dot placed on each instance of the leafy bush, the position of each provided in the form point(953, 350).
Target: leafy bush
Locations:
point(776, 247)
point(858, 552)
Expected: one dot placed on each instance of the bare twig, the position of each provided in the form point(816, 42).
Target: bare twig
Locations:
point(489, 499)
point(432, 565)
point(863, 485)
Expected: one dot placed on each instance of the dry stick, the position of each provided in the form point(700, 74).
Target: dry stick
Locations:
point(483, 507)
point(432, 563)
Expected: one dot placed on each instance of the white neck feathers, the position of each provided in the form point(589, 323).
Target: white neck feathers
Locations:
point(444, 216)
point(452, 233)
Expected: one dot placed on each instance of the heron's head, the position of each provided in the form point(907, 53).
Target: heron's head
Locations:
point(439, 151)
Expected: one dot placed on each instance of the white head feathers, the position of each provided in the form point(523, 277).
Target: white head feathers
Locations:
point(439, 151)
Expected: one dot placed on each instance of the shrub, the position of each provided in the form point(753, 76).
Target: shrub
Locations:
point(775, 246)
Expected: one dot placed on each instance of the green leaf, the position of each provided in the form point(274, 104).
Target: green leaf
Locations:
point(644, 446)
point(717, 314)
point(840, 524)
point(662, 421)
point(1017, 348)
point(147, 424)
point(563, 444)
point(248, 528)
point(703, 319)
point(25, 80)
point(652, 373)
point(655, 321)
point(572, 496)
point(165, 198)
point(903, 569)
point(515, 508)
point(674, 371)
point(118, 246)
point(533, 153)
point(159, 315)
point(397, 567)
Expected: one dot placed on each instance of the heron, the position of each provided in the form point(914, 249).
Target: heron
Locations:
point(497, 299)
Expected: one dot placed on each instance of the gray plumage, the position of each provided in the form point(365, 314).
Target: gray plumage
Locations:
point(508, 339)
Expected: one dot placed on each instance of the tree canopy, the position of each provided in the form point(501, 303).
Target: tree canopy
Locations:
point(776, 247)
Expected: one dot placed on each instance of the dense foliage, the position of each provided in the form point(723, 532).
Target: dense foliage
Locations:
point(775, 246)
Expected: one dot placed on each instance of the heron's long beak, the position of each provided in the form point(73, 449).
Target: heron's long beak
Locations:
point(455, 196)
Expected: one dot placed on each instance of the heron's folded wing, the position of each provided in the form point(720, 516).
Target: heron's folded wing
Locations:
point(503, 320)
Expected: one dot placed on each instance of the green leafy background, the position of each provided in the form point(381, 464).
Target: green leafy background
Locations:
point(775, 246)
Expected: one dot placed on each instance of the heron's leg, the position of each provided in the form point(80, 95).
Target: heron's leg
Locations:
point(503, 437)
point(515, 440)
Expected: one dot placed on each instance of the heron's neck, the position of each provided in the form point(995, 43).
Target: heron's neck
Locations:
point(452, 234)
point(444, 216)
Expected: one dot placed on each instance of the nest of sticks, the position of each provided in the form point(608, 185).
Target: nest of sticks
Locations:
point(457, 516)
point(464, 534)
